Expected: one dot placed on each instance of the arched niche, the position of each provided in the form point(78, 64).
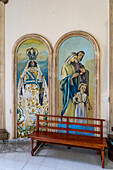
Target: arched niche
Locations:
point(76, 41)
point(21, 65)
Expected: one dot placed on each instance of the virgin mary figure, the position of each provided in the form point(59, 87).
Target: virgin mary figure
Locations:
point(69, 85)
point(32, 95)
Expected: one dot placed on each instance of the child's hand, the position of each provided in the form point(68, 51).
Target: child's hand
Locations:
point(75, 97)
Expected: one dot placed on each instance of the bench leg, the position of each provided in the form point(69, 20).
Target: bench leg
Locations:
point(32, 147)
point(68, 147)
point(37, 144)
point(98, 152)
point(102, 156)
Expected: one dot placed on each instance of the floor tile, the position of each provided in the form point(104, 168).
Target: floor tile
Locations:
point(7, 164)
point(37, 160)
point(51, 162)
point(47, 168)
point(2, 155)
point(30, 166)
point(65, 165)
point(42, 152)
point(23, 157)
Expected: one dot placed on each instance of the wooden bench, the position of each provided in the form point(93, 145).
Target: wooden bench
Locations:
point(58, 130)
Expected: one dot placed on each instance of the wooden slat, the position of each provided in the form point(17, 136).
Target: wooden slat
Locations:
point(101, 130)
point(50, 127)
point(70, 117)
point(50, 121)
point(37, 123)
point(84, 124)
point(85, 131)
point(71, 123)
point(69, 129)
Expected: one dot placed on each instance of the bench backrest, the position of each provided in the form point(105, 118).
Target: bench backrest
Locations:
point(51, 122)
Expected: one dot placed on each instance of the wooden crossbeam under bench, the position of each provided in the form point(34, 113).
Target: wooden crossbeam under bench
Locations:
point(48, 131)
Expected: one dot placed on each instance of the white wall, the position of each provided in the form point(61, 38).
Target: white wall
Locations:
point(52, 19)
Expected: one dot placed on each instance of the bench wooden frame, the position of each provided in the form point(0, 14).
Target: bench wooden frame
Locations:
point(52, 136)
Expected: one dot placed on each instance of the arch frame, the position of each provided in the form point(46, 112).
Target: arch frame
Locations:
point(14, 79)
point(97, 69)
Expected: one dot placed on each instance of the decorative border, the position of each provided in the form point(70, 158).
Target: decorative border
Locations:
point(14, 87)
point(110, 124)
point(97, 69)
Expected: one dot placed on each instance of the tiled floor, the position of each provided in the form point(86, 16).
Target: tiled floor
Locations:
point(17, 156)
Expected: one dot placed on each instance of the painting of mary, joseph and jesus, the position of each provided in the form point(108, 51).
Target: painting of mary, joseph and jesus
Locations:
point(75, 86)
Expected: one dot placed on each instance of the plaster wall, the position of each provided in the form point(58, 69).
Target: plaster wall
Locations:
point(52, 19)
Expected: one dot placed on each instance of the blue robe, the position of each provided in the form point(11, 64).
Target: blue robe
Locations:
point(68, 91)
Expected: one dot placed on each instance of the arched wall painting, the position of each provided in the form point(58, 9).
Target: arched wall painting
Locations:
point(77, 75)
point(32, 84)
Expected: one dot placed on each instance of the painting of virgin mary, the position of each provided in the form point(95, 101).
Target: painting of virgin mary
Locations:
point(32, 85)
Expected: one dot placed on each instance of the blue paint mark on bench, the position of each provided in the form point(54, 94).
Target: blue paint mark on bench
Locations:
point(76, 127)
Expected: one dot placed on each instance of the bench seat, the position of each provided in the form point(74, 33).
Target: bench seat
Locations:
point(69, 139)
